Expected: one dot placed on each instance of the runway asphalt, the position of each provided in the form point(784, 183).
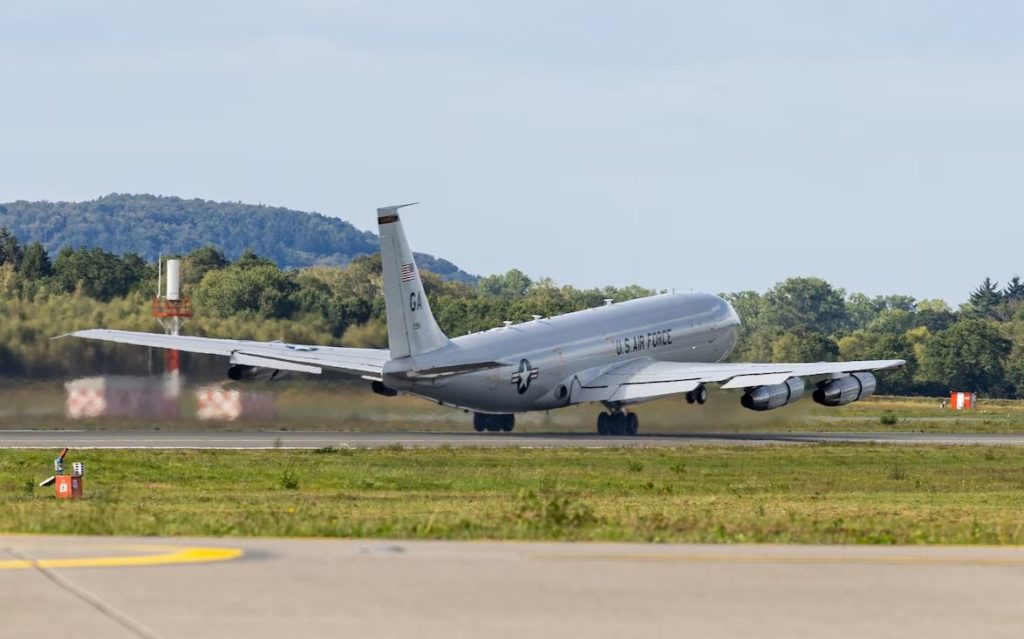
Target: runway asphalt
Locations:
point(256, 588)
point(293, 439)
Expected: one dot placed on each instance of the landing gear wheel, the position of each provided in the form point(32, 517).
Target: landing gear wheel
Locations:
point(602, 423)
point(618, 424)
point(690, 398)
point(632, 424)
point(493, 423)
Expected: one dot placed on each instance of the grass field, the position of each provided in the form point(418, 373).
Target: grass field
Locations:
point(789, 494)
point(319, 405)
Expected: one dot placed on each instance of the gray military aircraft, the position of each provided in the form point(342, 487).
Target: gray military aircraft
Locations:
point(619, 355)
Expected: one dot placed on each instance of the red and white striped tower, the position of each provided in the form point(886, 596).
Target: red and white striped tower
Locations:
point(171, 310)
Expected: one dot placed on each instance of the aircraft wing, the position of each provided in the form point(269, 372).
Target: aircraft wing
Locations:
point(645, 379)
point(367, 362)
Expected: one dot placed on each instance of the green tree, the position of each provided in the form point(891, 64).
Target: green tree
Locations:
point(749, 305)
point(857, 345)
point(805, 301)
point(199, 262)
point(373, 334)
point(892, 322)
point(262, 290)
point(1015, 376)
point(861, 310)
point(100, 274)
point(9, 280)
point(512, 285)
point(249, 259)
point(314, 294)
point(804, 345)
point(10, 249)
point(900, 302)
point(1014, 289)
point(935, 315)
point(626, 293)
point(35, 263)
point(1013, 298)
point(349, 295)
point(970, 356)
point(918, 338)
point(986, 299)
point(893, 346)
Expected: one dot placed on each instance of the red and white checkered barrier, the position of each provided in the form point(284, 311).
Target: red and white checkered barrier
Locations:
point(216, 403)
point(86, 403)
point(94, 397)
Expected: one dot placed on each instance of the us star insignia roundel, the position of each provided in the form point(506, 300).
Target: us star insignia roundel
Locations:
point(522, 377)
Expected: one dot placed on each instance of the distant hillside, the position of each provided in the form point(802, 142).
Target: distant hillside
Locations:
point(149, 225)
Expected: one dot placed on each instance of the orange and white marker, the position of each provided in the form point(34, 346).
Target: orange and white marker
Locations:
point(962, 401)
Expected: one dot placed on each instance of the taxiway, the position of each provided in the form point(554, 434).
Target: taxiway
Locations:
point(257, 588)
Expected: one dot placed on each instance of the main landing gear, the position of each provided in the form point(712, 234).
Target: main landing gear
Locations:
point(698, 395)
point(617, 422)
point(493, 423)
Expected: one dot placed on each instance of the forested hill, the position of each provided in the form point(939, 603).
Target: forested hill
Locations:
point(150, 225)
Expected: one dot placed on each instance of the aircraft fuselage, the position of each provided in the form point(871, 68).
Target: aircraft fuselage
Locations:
point(549, 358)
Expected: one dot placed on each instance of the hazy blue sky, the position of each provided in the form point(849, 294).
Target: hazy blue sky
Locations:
point(710, 145)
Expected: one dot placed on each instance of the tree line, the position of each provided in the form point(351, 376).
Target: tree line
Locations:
point(976, 347)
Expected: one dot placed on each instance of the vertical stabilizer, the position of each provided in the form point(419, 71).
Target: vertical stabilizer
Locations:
point(411, 326)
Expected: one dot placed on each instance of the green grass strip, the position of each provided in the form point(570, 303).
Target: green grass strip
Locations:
point(828, 493)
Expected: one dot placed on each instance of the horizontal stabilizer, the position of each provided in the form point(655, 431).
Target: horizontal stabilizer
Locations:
point(277, 355)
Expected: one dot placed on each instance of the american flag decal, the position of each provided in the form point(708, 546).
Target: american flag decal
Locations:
point(408, 272)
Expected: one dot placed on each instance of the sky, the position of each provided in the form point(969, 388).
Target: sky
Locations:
point(716, 146)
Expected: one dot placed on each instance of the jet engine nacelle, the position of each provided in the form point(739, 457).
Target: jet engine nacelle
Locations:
point(845, 390)
point(774, 396)
point(242, 373)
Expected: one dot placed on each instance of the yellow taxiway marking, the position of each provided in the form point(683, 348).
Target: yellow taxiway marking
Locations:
point(170, 556)
point(739, 558)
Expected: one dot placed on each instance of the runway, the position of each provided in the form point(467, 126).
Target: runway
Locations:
point(276, 588)
point(299, 440)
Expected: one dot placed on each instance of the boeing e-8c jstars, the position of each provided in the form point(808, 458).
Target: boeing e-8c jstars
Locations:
point(619, 355)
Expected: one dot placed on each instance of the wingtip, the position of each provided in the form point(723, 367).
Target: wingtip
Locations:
point(80, 333)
